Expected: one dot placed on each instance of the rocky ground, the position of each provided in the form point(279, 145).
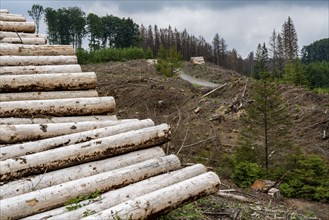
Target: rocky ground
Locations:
point(206, 128)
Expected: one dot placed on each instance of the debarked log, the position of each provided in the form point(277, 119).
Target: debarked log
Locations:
point(37, 60)
point(8, 70)
point(4, 97)
point(11, 17)
point(118, 196)
point(36, 50)
point(28, 27)
point(162, 200)
point(16, 40)
point(31, 132)
point(84, 152)
point(5, 34)
point(45, 180)
point(48, 82)
point(58, 107)
point(48, 198)
point(15, 15)
point(4, 11)
point(10, 121)
point(17, 150)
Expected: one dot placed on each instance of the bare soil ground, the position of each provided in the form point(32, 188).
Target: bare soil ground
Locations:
point(205, 129)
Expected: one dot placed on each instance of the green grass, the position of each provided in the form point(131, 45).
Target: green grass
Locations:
point(322, 90)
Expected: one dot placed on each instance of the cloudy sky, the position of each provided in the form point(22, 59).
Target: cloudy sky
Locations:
point(242, 23)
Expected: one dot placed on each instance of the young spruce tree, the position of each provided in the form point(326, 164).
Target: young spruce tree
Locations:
point(266, 125)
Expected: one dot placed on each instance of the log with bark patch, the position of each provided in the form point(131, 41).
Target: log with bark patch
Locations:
point(17, 40)
point(31, 132)
point(16, 150)
point(4, 97)
point(45, 180)
point(37, 60)
point(163, 200)
point(45, 199)
point(10, 121)
point(84, 152)
point(5, 34)
point(121, 195)
point(15, 70)
point(48, 82)
point(27, 27)
point(36, 50)
point(58, 107)
point(12, 17)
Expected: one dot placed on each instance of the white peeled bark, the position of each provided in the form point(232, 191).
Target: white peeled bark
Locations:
point(48, 82)
point(56, 119)
point(4, 11)
point(5, 34)
point(56, 107)
point(162, 200)
point(8, 70)
point(10, 17)
point(37, 60)
point(28, 27)
point(36, 50)
point(118, 196)
point(22, 149)
point(4, 97)
point(31, 132)
point(16, 40)
point(76, 154)
point(45, 199)
point(45, 180)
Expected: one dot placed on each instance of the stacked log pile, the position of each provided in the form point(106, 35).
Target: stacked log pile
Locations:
point(60, 142)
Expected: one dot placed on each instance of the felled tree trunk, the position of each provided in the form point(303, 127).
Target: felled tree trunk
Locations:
point(4, 97)
point(36, 50)
point(56, 119)
point(4, 11)
point(5, 34)
point(45, 180)
point(28, 27)
point(47, 198)
point(15, 15)
point(79, 153)
point(37, 60)
point(9, 17)
point(117, 127)
point(16, 40)
point(31, 132)
point(47, 82)
point(121, 195)
point(12, 70)
point(162, 200)
point(56, 107)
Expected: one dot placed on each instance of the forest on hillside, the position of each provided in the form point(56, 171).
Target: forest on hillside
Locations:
point(281, 55)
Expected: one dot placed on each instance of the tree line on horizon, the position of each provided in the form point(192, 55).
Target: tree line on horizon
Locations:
point(280, 56)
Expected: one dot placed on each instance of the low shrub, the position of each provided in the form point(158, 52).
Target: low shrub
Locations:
point(110, 54)
point(245, 174)
point(309, 179)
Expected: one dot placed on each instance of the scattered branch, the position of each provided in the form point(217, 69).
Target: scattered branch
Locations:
point(183, 142)
point(232, 196)
point(214, 90)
